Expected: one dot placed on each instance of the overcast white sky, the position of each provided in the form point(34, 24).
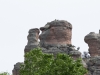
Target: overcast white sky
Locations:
point(18, 16)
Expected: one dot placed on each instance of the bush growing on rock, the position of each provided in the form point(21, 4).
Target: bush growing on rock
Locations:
point(39, 63)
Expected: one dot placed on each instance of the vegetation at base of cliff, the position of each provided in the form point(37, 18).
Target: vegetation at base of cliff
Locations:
point(4, 73)
point(39, 63)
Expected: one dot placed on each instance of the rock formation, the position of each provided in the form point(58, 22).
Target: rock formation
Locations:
point(16, 69)
point(32, 39)
point(55, 38)
point(93, 63)
point(93, 41)
point(56, 33)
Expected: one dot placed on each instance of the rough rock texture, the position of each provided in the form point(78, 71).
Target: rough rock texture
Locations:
point(55, 38)
point(32, 39)
point(56, 33)
point(93, 65)
point(93, 41)
point(70, 50)
point(16, 69)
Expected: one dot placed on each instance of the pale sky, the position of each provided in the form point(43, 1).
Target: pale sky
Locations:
point(18, 16)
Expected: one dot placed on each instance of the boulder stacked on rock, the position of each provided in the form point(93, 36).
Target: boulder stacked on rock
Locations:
point(93, 41)
point(56, 38)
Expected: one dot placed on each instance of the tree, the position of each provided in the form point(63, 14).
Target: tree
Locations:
point(39, 63)
point(4, 73)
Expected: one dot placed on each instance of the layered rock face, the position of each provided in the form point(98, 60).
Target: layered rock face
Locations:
point(32, 39)
point(55, 33)
point(93, 41)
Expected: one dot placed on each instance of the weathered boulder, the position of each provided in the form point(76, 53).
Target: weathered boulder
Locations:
point(56, 33)
point(32, 39)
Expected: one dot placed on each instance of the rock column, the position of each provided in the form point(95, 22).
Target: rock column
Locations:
point(93, 64)
point(32, 39)
point(93, 41)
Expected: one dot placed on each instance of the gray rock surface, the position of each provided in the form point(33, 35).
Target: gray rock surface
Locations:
point(70, 50)
point(17, 65)
point(32, 39)
point(92, 35)
point(93, 65)
point(16, 69)
point(93, 41)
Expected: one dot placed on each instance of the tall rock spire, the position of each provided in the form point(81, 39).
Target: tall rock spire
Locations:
point(32, 39)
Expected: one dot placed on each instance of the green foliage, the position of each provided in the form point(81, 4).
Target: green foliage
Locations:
point(4, 73)
point(39, 63)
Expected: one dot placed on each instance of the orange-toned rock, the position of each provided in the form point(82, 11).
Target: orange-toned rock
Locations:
point(56, 33)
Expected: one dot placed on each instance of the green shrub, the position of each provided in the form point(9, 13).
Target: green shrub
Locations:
point(39, 63)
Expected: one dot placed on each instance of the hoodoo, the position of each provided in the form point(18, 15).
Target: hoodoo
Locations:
point(56, 33)
point(93, 41)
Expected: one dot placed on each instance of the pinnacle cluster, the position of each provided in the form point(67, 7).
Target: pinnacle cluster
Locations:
point(56, 37)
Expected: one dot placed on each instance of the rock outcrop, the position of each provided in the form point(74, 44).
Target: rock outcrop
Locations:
point(55, 38)
point(16, 69)
point(56, 33)
point(93, 41)
point(70, 50)
point(32, 39)
point(93, 63)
